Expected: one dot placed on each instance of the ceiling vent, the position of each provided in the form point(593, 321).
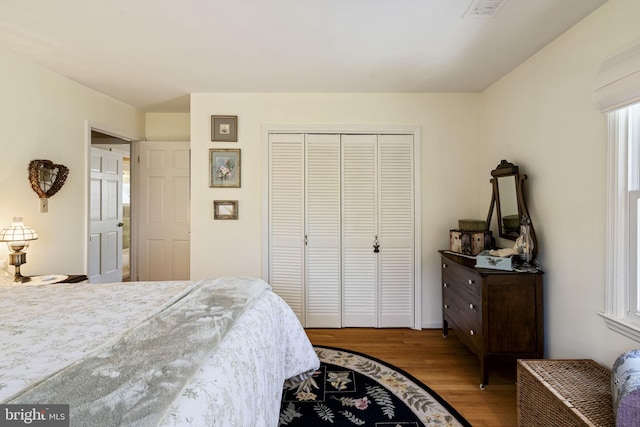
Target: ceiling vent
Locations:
point(484, 8)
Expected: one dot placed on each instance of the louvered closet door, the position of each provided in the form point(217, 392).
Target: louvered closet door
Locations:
point(322, 210)
point(341, 192)
point(396, 230)
point(359, 228)
point(286, 218)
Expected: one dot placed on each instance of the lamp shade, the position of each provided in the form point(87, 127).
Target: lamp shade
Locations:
point(17, 232)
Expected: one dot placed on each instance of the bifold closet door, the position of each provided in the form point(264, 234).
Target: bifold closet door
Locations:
point(286, 219)
point(332, 200)
point(377, 230)
point(359, 230)
point(396, 230)
point(322, 235)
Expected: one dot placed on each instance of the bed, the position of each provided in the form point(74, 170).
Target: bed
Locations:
point(211, 352)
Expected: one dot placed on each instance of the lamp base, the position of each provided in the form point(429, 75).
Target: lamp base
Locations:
point(17, 259)
point(19, 278)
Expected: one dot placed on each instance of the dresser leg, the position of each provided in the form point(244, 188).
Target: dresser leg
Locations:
point(484, 373)
point(445, 328)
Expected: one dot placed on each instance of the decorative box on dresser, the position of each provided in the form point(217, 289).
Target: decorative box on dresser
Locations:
point(497, 314)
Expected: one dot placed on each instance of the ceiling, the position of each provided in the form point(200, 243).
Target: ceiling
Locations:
point(152, 54)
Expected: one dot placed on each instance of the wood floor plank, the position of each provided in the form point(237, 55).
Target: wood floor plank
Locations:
point(443, 364)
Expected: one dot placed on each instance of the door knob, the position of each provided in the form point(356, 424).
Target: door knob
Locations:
point(120, 224)
point(376, 245)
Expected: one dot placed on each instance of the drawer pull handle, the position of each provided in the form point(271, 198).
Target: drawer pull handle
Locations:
point(444, 265)
point(446, 306)
point(471, 306)
point(445, 285)
point(470, 282)
point(472, 332)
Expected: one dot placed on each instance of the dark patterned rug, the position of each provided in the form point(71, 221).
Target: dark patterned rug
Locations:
point(355, 389)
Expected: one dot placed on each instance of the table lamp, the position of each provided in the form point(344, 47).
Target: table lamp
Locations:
point(17, 236)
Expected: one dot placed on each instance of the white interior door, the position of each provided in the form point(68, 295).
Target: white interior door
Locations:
point(322, 236)
point(359, 231)
point(286, 219)
point(163, 211)
point(105, 217)
point(396, 230)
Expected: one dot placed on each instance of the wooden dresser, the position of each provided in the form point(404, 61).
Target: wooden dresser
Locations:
point(497, 314)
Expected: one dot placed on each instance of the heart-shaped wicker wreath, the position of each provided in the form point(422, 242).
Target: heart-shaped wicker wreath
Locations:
point(46, 177)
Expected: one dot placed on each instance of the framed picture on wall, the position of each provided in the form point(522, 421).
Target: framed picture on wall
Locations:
point(225, 209)
point(224, 128)
point(224, 167)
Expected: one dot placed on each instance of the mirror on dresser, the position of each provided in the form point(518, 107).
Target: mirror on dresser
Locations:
point(509, 202)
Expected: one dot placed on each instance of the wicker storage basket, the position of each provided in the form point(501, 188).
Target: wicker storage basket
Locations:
point(564, 393)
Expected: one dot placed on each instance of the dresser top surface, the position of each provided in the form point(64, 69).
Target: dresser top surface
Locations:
point(470, 263)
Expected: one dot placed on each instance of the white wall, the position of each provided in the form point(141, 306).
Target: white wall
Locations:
point(450, 168)
point(542, 117)
point(44, 116)
point(168, 126)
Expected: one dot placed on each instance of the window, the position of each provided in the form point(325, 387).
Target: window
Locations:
point(622, 305)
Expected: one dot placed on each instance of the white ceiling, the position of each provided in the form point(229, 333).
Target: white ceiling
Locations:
point(152, 53)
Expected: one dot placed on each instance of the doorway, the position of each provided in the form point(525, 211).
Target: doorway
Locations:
point(122, 148)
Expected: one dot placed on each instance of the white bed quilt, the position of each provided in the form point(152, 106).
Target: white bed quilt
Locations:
point(44, 329)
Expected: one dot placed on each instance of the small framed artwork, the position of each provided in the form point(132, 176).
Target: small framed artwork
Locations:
point(224, 128)
point(224, 167)
point(225, 209)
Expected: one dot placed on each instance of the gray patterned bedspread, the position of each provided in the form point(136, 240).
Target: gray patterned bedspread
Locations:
point(209, 353)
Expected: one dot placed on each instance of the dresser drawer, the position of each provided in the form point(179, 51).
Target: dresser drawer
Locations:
point(469, 309)
point(465, 317)
point(464, 294)
point(459, 278)
point(469, 329)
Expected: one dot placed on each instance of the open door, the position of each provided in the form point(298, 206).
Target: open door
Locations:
point(163, 211)
point(105, 216)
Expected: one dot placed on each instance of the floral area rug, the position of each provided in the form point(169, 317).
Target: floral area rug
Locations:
point(352, 389)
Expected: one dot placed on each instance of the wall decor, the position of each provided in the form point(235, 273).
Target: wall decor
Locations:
point(224, 128)
point(46, 177)
point(225, 209)
point(224, 167)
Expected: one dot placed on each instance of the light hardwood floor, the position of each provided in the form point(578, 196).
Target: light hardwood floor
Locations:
point(443, 364)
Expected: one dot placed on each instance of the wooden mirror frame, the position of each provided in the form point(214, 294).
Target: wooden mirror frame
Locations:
point(505, 170)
